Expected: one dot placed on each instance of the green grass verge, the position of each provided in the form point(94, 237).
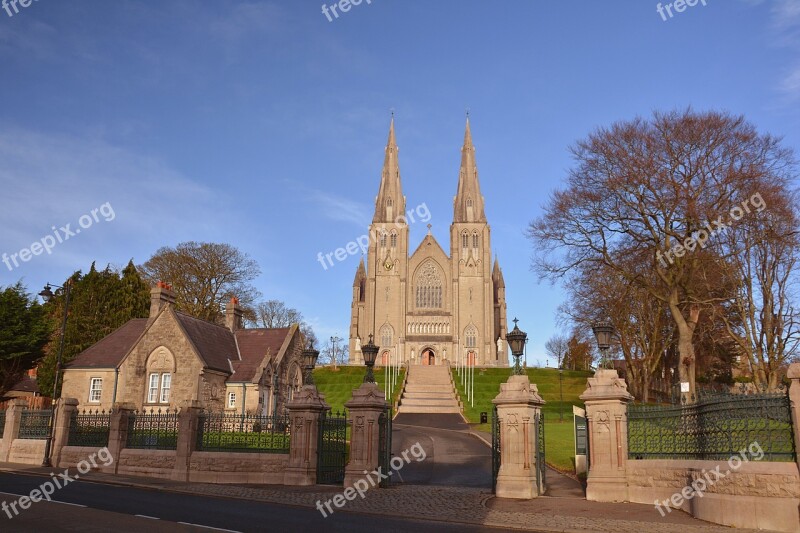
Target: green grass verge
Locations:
point(559, 439)
point(338, 385)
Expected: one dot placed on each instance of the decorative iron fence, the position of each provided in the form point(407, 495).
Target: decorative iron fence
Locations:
point(714, 428)
point(495, 448)
point(89, 428)
point(332, 448)
point(220, 432)
point(541, 467)
point(34, 424)
point(153, 430)
point(385, 444)
point(2, 422)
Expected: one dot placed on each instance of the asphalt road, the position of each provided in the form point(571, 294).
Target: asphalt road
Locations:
point(88, 507)
point(454, 456)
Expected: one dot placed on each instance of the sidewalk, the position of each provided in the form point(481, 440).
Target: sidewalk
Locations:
point(438, 503)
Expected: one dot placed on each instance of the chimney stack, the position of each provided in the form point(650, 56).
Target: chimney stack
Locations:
point(233, 315)
point(161, 296)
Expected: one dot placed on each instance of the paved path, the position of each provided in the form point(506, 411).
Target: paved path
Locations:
point(460, 505)
point(454, 456)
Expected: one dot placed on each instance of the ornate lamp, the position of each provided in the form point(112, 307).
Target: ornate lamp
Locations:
point(310, 356)
point(516, 340)
point(603, 331)
point(370, 352)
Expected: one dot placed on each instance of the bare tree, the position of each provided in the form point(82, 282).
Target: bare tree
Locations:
point(276, 314)
point(204, 277)
point(557, 346)
point(652, 193)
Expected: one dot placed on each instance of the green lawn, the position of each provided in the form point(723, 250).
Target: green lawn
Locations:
point(338, 385)
point(559, 440)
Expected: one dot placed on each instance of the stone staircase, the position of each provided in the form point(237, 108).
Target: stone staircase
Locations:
point(428, 389)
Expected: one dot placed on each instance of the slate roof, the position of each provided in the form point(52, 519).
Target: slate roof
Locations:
point(215, 344)
point(253, 346)
point(109, 351)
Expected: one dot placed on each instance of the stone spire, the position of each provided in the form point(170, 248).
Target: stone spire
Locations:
point(497, 274)
point(361, 274)
point(468, 203)
point(390, 202)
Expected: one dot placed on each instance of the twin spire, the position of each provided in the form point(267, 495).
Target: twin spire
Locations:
point(467, 204)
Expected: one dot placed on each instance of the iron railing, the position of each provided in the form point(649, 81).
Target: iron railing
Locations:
point(220, 432)
point(385, 445)
point(89, 428)
point(153, 430)
point(332, 448)
point(2, 422)
point(715, 428)
point(34, 424)
point(495, 448)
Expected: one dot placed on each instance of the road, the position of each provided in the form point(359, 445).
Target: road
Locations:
point(454, 457)
point(87, 507)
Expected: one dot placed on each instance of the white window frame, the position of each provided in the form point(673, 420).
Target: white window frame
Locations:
point(153, 387)
point(231, 400)
point(95, 389)
point(166, 386)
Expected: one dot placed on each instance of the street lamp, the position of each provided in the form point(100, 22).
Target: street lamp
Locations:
point(370, 352)
point(516, 340)
point(603, 331)
point(334, 341)
point(309, 362)
point(47, 295)
point(561, 391)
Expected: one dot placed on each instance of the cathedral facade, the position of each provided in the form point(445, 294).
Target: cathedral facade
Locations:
point(430, 307)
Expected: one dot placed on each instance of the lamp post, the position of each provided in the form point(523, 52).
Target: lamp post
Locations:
point(47, 295)
point(516, 340)
point(603, 331)
point(309, 362)
point(561, 392)
point(334, 340)
point(370, 352)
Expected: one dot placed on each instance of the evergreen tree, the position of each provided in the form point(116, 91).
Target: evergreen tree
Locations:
point(100, 302)
point(24, 331)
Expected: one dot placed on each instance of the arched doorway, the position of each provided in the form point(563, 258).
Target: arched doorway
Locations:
point(428, 357)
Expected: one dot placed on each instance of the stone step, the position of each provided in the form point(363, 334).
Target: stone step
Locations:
point(429, 395)
point(423, 410)
point(429, 403)
point(416, 387)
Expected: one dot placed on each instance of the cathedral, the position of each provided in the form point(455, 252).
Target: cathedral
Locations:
point(428, 307)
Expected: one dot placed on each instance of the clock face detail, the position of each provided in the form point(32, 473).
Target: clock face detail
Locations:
point(388, 264)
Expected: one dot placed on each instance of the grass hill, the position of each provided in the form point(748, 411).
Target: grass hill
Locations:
point(337, 385)
point(559, 440)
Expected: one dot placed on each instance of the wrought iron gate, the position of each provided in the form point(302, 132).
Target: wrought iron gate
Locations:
point(541, 468)
point(332, 448)
point(385, 444)
point(495, 448)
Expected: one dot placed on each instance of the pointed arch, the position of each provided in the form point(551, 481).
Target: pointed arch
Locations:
point(471, 337)
point(429, 286)
point(387, 336)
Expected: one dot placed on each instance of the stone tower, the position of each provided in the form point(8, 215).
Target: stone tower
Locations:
point(430, 307)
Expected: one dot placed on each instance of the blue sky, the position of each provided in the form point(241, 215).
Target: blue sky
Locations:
point(262, 124)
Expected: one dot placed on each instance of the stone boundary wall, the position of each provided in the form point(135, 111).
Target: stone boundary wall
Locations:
point(26, 451)
point(759, 495)
point(231, 467)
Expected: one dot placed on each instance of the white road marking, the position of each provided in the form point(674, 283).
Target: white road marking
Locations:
point(209, 527)
point(148, 517)
point(67, 503)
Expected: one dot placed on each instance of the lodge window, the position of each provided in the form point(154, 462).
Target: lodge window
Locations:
point(159, 387)
point(95, 390)
point(231, 399)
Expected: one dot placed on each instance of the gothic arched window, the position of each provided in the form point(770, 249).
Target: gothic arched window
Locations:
point(429, 287)
point(394, 239)
point(383, 237)
point(469, 202)
point(389, 202)
point(475, 240)
point(471, 336)
point(465, 240)
point(387, 335)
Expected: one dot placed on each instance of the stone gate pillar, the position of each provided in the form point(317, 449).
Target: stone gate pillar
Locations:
point(365, 407)
point(117, 433)
point(66, 408)
point(305, 410)
point(518, 406)
point(607, 398)
point(794, 397)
